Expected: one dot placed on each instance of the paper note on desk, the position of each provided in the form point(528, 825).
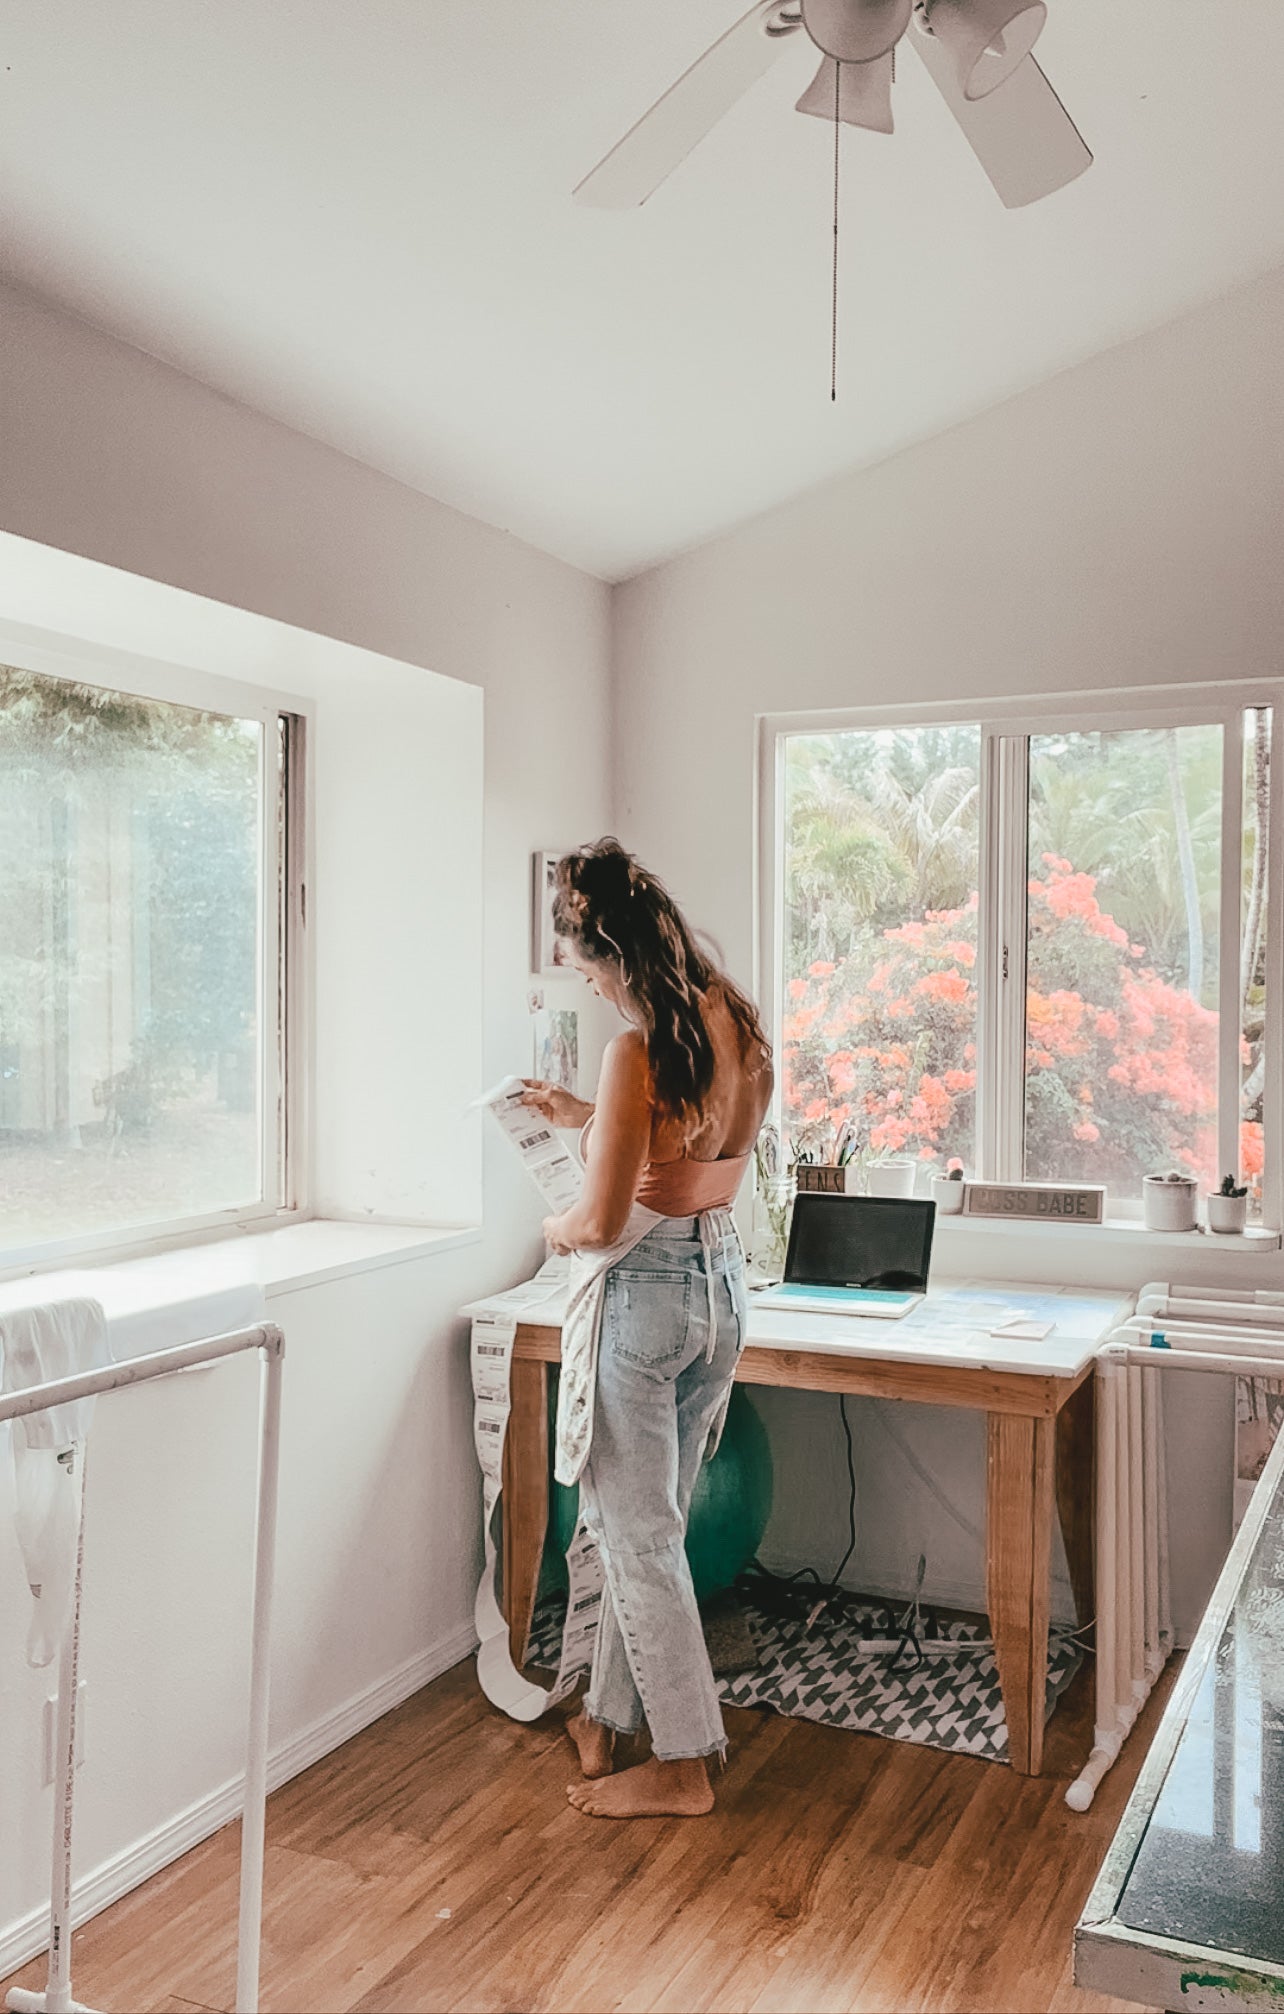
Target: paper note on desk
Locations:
point(554, 1170)
point(1022, 1329)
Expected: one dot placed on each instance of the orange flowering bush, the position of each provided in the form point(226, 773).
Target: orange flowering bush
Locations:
point(885, 1040)
point(1121, 1064)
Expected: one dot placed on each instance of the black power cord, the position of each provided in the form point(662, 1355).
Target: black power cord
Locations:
point(804, 1595)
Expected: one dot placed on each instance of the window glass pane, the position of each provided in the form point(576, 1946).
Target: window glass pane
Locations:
point(1121, 1002)
point(130, 1071)
point(879, 960)
point(1255, 925)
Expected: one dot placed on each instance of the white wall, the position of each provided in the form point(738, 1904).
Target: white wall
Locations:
point(1117, 526)
point(113, 456)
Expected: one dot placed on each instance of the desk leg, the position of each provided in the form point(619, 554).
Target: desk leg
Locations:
point(525, 1507)
point(1076, 1494)
point(1019, 1493)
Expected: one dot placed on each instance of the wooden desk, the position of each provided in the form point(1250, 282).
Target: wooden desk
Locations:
point(1037, 1398)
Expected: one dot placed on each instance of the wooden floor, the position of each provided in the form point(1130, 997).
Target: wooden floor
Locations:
point(433, 1863)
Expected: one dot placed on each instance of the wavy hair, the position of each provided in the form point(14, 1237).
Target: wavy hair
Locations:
point(617, 913)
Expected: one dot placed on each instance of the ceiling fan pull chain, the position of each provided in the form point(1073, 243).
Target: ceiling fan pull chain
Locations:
point(833, 321)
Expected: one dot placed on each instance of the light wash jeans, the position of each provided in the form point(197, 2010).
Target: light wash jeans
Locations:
point(664, 1370)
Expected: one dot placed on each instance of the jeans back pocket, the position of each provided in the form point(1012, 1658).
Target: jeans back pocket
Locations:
point(647, 1316)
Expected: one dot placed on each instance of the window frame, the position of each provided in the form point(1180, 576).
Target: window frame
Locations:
point(1006, 726)
point(284, 979)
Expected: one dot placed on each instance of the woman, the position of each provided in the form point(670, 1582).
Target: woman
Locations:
point(681, 1096)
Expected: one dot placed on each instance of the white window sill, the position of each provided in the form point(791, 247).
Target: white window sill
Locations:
point(226, 1283)
point(1117, 1231)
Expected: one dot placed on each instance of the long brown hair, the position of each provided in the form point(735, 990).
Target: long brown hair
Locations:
point(617, 913)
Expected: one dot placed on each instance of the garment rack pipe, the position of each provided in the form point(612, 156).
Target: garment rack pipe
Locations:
point(1134, 1629)
point(268, 1339)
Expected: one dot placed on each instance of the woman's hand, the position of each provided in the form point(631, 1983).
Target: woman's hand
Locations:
point(555, 1104)
point(555, 1233)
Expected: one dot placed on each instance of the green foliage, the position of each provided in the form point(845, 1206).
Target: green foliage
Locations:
point(128, 846)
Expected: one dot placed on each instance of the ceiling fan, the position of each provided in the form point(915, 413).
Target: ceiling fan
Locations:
point(977, 53)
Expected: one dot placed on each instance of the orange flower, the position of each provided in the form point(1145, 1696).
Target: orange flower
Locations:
point(949, 985)
point(1252, 1155)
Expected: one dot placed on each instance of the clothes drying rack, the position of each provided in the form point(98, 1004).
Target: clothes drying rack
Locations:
point(1218, 1331)
point(57, 1997)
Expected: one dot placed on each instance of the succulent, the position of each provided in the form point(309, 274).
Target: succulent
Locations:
point(1230, 1187)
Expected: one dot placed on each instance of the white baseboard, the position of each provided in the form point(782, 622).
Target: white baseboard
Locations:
point(29, 1935)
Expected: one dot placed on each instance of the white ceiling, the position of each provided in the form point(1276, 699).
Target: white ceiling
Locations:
point(355, 216)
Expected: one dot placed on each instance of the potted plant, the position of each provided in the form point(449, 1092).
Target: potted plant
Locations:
point(1228, 1206)
point(1168, 1202)
point(947, 1189)
point(895, 1175)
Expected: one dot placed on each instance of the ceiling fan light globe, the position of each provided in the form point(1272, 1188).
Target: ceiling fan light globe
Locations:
point(861, 93)
point(856, 31)
point(986, 39)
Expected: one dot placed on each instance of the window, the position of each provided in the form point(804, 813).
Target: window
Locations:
point(145, 860)
point(881, 870)
point(1038, 944)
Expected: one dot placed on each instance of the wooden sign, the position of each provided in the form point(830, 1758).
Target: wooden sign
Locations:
point(825, 1178)
point(1036, 1202)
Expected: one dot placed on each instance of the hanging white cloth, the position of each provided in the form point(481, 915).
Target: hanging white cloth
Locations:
point(59, 1339)
point(577, 1384)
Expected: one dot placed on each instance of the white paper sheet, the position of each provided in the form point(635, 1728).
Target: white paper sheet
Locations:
point(493, 1335)
point(548, 1161)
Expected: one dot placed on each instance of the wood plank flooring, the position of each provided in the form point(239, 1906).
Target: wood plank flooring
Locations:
point(432, 1864)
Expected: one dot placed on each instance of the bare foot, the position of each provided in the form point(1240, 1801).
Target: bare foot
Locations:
point(652, 1790)
point(594, 1743)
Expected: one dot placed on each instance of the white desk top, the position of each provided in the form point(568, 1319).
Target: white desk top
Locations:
point(951, 1326)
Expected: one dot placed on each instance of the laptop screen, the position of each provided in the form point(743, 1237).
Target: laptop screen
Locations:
point(860, 1241)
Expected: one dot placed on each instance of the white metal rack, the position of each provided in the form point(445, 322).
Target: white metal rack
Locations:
point(57, 1997)
point(1217, 1331)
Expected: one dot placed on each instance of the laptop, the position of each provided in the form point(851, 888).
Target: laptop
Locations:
point(855, 1255)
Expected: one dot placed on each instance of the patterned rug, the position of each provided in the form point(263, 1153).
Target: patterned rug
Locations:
point(949, 1701)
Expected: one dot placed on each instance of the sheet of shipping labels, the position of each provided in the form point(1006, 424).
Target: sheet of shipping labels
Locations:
point(493, 1335)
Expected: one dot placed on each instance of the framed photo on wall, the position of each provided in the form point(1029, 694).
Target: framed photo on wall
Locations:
point(543, 938)
point(557, 1047)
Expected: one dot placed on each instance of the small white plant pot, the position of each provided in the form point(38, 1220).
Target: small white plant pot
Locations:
point(1227, 1214)
point(891, 1178)
point(947, 1196)
point(1169, 1206)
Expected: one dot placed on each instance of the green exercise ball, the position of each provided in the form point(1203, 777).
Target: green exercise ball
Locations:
point(729, 1509)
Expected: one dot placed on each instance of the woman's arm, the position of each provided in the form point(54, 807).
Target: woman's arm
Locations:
point(621, 1143)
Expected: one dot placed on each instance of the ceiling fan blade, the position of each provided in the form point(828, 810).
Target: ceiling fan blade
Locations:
point(677, 122)
point(864, 93)
point(1021, 133)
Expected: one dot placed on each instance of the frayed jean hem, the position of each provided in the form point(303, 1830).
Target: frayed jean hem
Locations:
point(718, 1748)
point(604, 1720)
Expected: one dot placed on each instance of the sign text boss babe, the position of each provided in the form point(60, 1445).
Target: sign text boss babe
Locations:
point(1047, 1203)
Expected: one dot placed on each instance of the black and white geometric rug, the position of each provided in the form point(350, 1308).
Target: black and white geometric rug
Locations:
point(949, 1701)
